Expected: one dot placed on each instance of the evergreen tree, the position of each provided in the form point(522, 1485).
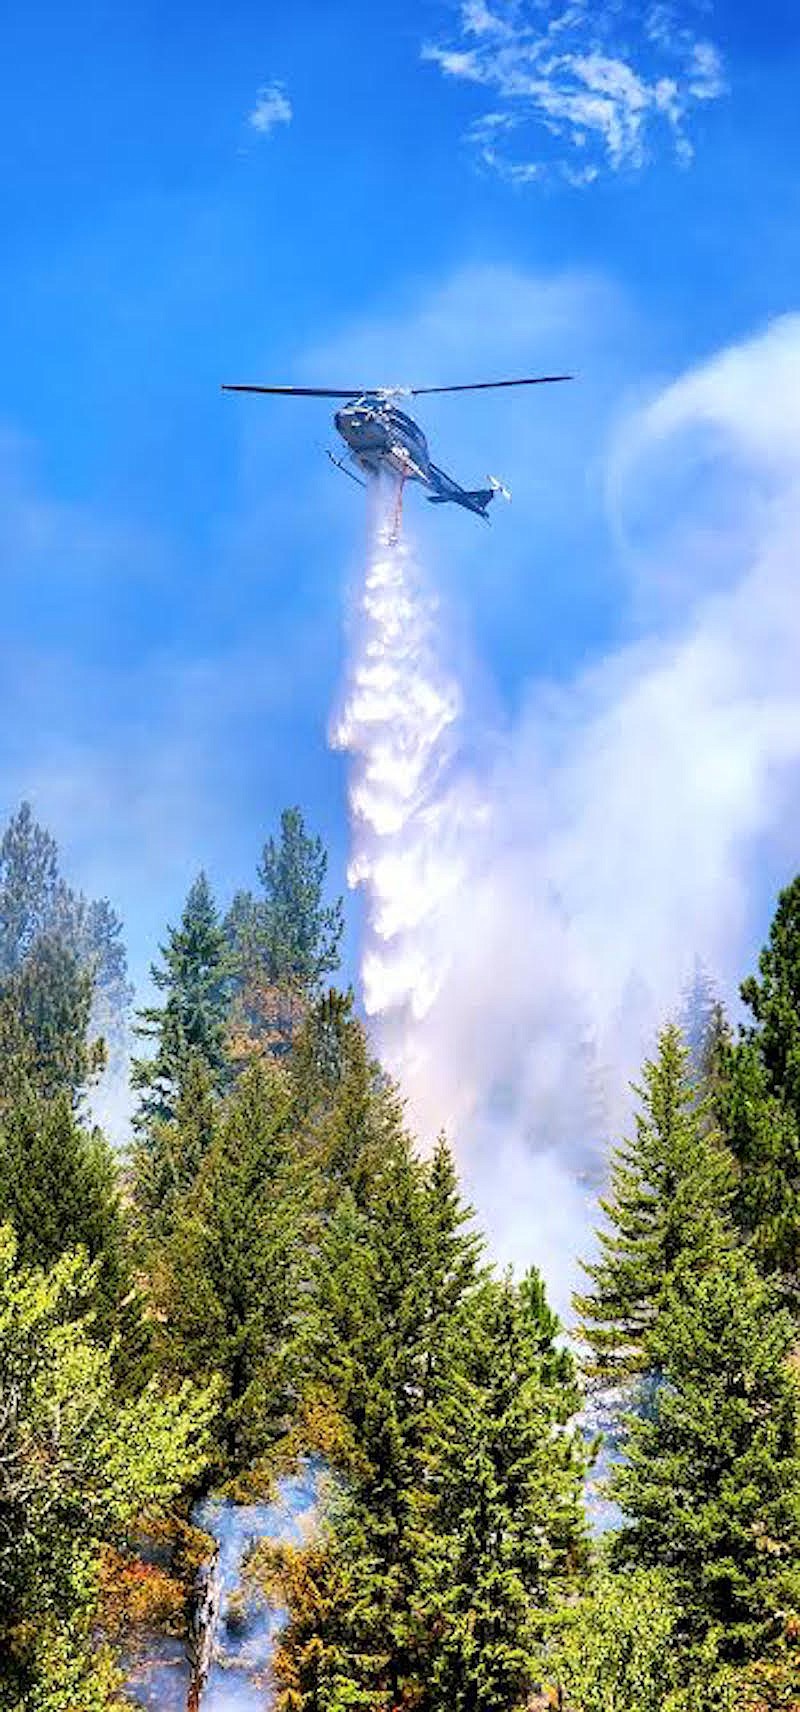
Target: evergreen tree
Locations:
point(325, 1046)
point(59, 1191)
point(192, 1021)
point(63, 973)
point(47, 1004)
point(388, 1273)
point(454, 1250)
point(671, 1187)
point(697, 1020)
point(335, 1650)
point(167, 1157)
point(500, 1509)
point(711, 1486)
point(774, 1001)
point(33, 897)
point(349, 1115)
point(762, 1132)
point(716, 1050)
point(300, 932)
point(228, 1280)
point(758, 1098)
point(444, 1403)
point(285, 942)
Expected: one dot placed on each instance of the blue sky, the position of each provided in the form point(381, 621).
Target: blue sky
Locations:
point(196, 195)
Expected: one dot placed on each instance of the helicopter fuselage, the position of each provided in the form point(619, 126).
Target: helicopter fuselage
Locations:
point(381, 437)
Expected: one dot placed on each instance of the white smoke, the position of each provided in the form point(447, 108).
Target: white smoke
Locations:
point(536, 902)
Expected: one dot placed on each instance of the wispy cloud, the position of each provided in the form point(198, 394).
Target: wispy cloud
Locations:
point(579, 87)
point(272, 108)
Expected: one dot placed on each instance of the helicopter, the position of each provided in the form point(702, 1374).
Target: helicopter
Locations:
point(379, 436)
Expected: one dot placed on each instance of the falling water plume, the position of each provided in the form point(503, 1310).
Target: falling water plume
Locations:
point(409, 799)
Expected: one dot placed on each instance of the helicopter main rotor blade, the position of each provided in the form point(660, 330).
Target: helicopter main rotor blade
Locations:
point(490, 385)
point(299, 391)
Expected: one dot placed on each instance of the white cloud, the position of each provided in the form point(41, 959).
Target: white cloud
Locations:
point(576, 76)
point(272, 108)
point(536, 897)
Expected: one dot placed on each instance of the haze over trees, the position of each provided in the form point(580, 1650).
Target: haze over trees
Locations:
point(273, 1271)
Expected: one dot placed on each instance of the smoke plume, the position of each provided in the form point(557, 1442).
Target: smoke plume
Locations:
point(537, 897)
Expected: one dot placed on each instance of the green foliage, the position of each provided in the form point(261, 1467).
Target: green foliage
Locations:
point(710, 1488)
point(65, 1674)
point(191, 1023)
point(284, 943)
point(299, 933)
point(63, 979)
point(667, 1211)
point(500, 1507)
point(167, 1156)
point(613, 1649)
point(326, 1048)
point(775, 1000)
point(758, 1099)
point(46, 1005)
point(78, 1465)
point(227, 1283)
point(461, 1505)
point(349, 1116)
point(763, 1135)
point(34, 899)
point(328, 1292)
point(58, 1188)
point(335, 1654)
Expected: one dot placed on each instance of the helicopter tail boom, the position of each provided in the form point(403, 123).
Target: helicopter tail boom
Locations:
point(446, 491)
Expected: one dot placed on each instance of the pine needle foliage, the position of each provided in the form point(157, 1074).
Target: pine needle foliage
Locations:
point(191, 1023)
point(710, 1487)
point(667, 1210)
point(228, 1284)
point(758, 1099)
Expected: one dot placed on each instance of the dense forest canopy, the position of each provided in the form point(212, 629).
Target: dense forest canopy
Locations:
point(273, 1271)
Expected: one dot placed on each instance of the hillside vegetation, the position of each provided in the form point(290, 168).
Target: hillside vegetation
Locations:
point(273, 1270)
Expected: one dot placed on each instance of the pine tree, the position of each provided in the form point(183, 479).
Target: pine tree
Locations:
point(697, 1020)
point(33, 897)
point(444, 1401)
point(228, 1284)
point(349, 1115)
point(670, 1191)
point(285, 942)
point(711, 1485)
point(758, 1098)
point(454, 1249)
point(762, 1132)
point(59, 1191)
point(389, 1273)
point(166, 1159)
point(300, 932)
point(325, 1046)
point(63, 971)
point(500, 1510)
point(46, 1004)
point(192, 1021)
point(775, 1001)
